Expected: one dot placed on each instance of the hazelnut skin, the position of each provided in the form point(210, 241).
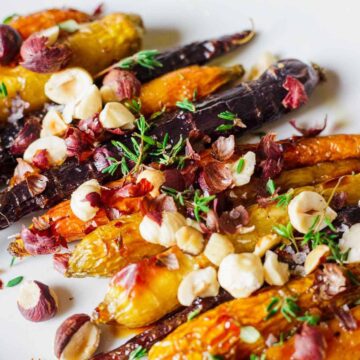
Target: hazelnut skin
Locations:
point(10, 43)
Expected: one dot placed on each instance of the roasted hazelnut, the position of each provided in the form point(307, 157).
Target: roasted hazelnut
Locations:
point(36, 301)
point(76, 338)
point(10, 43)
point(122, 83)
point(41, 57)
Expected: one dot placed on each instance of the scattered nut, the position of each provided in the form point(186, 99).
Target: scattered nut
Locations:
point(155, 177)
point(217, 248)
point(76, 338)
point(190, 240)
point(40, 57)
point(350, 242)
point(36, 301)
point(10, 42)
point(67, 86)
point(163, 234)
point(89, 104)
point(80, 203)
point(123, 84)
point(199, 283)
point(275, 272)
point(266, 243)
point(54, 145)
point(243, 176)
point(315, 258)
point(51, 34)
point(53, 124)
point(107, 94)
point(241, 274)
point(116, 115)
point(305, 207)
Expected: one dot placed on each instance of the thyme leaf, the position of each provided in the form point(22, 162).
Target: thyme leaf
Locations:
point(186, 104)
point(144, 58)
point(138, 353)
point(3, 90)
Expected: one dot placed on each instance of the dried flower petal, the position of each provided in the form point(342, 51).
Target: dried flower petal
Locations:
point(231, 221)
point(39, 242)
point(124, 84)
point(223, 148)
point(61, 262)
point(215, 177)
point(296, 95)
point(169, 260)
point(347, 320)
point(91, 126)
point(174, 179)
point(101, 158)
point(28, 134)
point(39, 57)
point(94, 199)
point(310, 344)
point(40, 223)
point(23, 168)
point(78, 143)
point(311, 131)
point(190, 151)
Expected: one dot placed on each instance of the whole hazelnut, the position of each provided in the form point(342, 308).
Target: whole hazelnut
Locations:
point(76, 338)
point(123, 84)
point(36, 301)
point(10, 42)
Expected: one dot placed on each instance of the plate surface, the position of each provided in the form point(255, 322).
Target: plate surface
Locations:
point(324, 32)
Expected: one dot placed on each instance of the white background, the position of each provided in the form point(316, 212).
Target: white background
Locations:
point(325, 32)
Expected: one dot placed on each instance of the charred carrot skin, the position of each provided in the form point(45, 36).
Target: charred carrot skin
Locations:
point(341, 343)
point(163, 327)
point(218, 331)
point(255, 103)
point(199, 52)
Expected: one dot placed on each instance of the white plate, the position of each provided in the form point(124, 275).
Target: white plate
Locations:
point(325, 32)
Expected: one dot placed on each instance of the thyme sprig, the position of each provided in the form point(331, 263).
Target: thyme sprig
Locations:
point(232, 118)
point(186, 104)
point(144, 58)
point(3, 90)
point(282, 200)
point(167, 154)
point(201, 203)
point(138, 353)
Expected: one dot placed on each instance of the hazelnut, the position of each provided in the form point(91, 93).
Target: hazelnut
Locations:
point(123, 84)
point(36, 301)
point(76, 338)
point(305, 207)
point(316, 257)
point(350, 242)
point(155, 177)
point(241, 274)
point(275, 272)
point(55, 146)
point(163, 234)
point(51, 34)
point(67, 86)
point(198, 283)
point(80, 203)
point(53, 124)
point(116, 115)
point(40, 57)
point(217, 248)
point(266, 243)
point(242, 176)
point(10, 42)
point(89, 104)
point(190, 240)
point(107, 94)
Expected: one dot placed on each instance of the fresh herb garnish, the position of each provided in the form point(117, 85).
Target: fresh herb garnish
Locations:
point(69, 26)
point(283, 200)
point(177, 195)
point(134, 105)
point(288, 308)
point(310, 319)
point(3, 90)
point(193, 314)
point(138, 353)
point(186, 104)
point(144, 58)
point(9, 18)
point(15, 281)
point(353, 278)
point(201, 204)
point(215, 357)
point(167, 154)
point(228, 116)
point(270, 187)
point(158, 113)
point(195, 94)
point(240, 165)
point(12, 262)
point(287, 232)
point(257, 357)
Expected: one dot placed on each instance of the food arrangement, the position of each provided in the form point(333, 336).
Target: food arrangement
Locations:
point(221, 249)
